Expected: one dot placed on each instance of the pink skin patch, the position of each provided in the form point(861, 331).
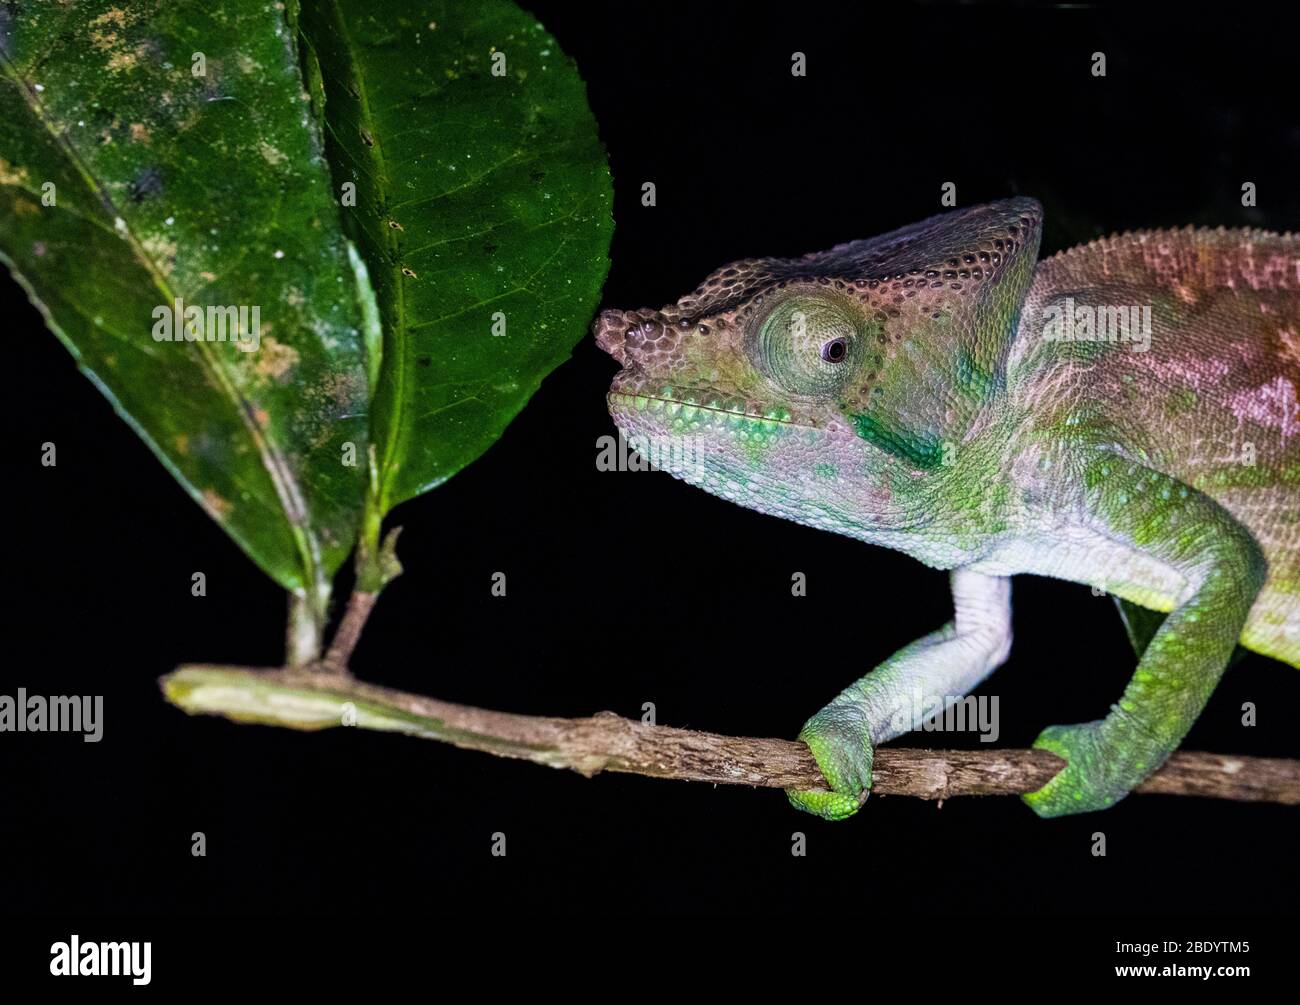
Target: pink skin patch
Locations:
point(1198, 374)
point(1272, 405)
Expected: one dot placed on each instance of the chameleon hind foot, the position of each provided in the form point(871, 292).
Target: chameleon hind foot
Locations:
point(1096, 776)
point(844, 754)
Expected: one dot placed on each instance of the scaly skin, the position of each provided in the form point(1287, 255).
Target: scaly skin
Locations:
point(915, 391)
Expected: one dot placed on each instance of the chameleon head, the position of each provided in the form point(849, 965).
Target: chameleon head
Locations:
point(828, 389)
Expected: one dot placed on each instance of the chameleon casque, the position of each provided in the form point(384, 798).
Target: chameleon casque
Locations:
point(940, 391)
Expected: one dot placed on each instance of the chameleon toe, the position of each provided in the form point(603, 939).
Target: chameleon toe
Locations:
point(1081, 786)
point(827, 805)
point(845, 762)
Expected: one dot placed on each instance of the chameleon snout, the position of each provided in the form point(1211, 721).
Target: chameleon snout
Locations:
point(610, 329)
point(631, 336)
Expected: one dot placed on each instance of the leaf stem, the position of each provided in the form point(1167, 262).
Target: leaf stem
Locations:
point(355, 616)
point(302, 637)
point(376, 566)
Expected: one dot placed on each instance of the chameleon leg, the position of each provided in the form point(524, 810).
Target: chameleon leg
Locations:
point(1180, 666)
point(904, 690)
point(1142, 624)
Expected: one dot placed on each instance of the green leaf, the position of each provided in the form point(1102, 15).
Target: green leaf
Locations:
point(211, 187)
point(482, 198)
point(160, 153)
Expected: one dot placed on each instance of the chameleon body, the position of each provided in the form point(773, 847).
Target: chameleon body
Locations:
point(1123, 414)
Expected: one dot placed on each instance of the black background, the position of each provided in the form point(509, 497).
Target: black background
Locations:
point(631, 587)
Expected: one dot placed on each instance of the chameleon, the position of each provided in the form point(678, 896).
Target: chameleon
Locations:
point(1122, 414)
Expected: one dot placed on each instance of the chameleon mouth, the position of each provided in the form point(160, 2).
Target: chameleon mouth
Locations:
point(686, 411)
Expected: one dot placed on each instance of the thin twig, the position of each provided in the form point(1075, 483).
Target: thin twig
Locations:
point(377, 566)
point(355, 616)
point(302, 632)
point(302, 699)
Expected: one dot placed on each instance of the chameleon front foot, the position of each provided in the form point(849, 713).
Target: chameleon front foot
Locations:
point(1098, 772)
point(844, 755)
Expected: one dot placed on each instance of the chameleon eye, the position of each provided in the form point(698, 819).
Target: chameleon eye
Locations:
point(836, 350)
point(808, 342)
